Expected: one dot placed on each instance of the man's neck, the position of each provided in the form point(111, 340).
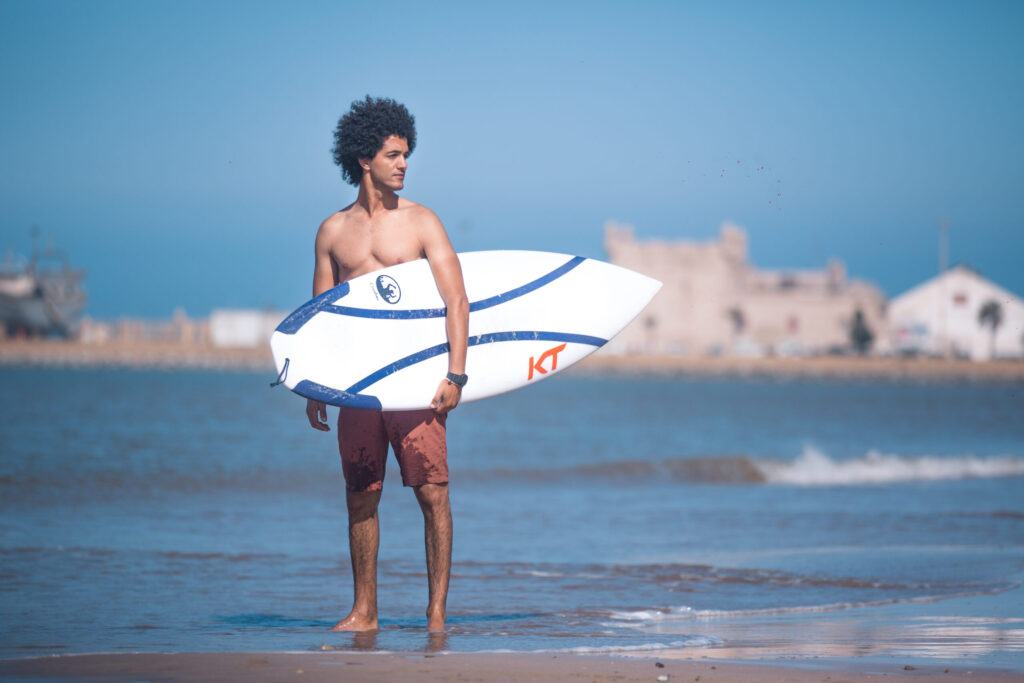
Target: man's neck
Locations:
point(374, 200)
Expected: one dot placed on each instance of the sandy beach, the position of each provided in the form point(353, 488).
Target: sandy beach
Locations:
point(357, 668)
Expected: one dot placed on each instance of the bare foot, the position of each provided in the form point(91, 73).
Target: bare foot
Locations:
point(435, 620)
point(356, 622)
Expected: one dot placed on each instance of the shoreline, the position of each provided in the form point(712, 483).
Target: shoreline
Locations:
point(357, 667)
point(133, 356)
point(816, 367)
point(168, 356)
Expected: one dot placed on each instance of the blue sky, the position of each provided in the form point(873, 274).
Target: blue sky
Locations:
point(180, 151)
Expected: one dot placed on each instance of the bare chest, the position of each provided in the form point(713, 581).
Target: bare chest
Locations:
point(367, 247)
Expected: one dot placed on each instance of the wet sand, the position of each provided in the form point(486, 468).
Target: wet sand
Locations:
point(359, 667)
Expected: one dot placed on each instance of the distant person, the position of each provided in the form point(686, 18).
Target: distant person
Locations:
point(372, 144)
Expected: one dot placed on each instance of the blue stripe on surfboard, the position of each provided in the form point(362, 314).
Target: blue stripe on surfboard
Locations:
point(477, 340)
point(351, 398)
point(301, 315)
point(420, 313)
point(528, 287)
point(335, 397)
point(297, 319)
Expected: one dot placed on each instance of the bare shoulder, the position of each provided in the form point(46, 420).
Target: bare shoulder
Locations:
point(425, 220)
point(334, 229)
point(336, 221)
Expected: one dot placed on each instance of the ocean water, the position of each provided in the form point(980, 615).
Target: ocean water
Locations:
point(741, 518)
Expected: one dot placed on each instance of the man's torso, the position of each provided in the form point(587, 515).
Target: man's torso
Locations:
point(361, 244)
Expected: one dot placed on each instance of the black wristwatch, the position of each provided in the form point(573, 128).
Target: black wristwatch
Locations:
point(457, 380)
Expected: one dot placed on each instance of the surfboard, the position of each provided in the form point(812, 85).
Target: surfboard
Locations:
point(378, 341)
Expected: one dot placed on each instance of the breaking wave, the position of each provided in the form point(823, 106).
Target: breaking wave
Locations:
point(814, 468)
point(810, 468)
point(647, 617)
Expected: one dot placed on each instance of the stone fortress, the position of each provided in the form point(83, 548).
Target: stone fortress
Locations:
point(714, 302)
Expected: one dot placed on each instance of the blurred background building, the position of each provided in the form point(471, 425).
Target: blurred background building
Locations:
point(714, 302)
point(225, 328)
point(958, 313)
point(239, 328)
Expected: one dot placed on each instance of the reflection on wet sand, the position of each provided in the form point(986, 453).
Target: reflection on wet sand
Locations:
point(437, 641)
point(364, 640)
point(938, 638)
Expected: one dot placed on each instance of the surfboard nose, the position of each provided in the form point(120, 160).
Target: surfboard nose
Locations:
point(642, 287)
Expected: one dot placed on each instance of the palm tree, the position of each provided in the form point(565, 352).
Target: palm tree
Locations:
point(861, 335)
point(991, 315)
point(738, 320)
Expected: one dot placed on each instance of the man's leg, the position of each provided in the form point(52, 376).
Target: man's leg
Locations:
point(363, 542)
point(437, 532)
point(418, 438)
point(364, 449)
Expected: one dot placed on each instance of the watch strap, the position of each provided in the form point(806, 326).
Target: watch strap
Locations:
point(457, 380)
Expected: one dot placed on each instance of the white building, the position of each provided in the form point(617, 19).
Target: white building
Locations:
point(942, 317)
point(243, 328)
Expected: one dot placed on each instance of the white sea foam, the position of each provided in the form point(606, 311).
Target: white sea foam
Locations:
point(814, 468)
point(540, 574)
point(644, 618)
point(556, 575)
point(673, 614)
point(693, 641)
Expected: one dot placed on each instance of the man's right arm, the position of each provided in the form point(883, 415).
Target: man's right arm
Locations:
point(325, 270)
point(325, 276)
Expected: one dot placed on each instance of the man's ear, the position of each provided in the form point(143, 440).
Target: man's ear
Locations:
point(364, 163)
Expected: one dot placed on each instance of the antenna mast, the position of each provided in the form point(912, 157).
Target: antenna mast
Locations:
point(943, 266)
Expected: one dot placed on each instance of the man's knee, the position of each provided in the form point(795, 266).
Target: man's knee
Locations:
point(362, 504)
point(432, 497)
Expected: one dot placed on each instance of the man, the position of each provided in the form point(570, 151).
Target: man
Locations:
point(372, 144)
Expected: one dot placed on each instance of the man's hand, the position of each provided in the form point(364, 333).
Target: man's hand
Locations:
point(317, 414)
point(446, 398)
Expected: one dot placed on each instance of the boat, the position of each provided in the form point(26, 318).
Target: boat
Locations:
point(42, 296)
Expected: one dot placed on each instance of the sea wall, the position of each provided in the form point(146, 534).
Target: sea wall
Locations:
point(161, 355)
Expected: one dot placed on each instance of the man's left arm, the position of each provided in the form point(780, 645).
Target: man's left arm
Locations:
point(447, 271)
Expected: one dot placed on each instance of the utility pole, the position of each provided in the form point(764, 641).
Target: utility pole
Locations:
point(943, 266)
point(943, 245)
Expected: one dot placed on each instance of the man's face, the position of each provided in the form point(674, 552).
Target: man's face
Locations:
point(387, 169)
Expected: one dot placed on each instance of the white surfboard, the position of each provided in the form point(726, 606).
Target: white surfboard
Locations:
point(378, 341)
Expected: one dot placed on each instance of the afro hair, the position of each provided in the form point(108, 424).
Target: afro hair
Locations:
point(361, 133)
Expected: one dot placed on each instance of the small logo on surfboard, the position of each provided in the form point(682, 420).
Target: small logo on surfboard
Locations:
point(388, 289)
point(538, 364)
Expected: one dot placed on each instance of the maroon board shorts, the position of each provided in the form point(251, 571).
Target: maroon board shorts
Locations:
point(417, 437)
